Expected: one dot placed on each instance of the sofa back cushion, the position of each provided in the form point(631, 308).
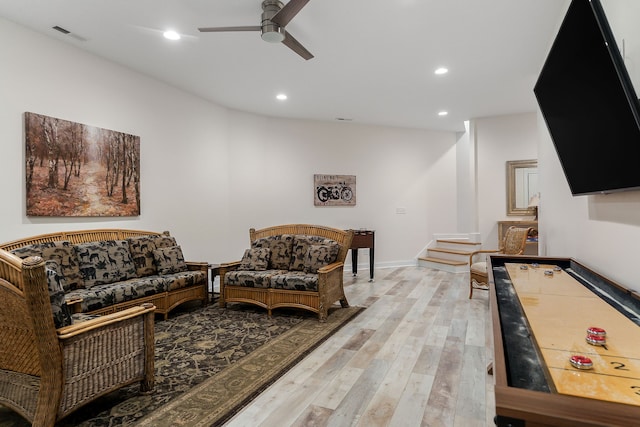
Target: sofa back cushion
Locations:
point(169, 260)
point(280, 246)
point(106, 261)
point(63, 253)
point(141, 248)
point(319, 256)
point(301, 246)
point(55, 283)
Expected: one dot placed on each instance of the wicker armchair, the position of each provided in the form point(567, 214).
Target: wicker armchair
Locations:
point(47, 373)
point(514, 243)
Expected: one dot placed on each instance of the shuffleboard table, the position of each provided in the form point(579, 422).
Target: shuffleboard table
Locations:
point(549, 315)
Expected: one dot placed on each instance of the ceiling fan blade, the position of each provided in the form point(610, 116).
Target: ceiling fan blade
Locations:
point(287, 13)
point(221, 29)
point(295, 46)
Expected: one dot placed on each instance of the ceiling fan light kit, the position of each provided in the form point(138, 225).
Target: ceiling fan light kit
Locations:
point(275, 17)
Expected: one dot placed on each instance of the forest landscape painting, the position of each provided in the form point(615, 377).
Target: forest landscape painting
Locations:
point(81, 171)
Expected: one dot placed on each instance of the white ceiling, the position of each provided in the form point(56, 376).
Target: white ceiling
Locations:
point(374, 59)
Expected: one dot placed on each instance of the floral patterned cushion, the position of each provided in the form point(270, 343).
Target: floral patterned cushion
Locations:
point(141, 249)
point(55, 280)
point(255, 259)
point(295, 281)
point(106, 261)
point(169, 260)
point(318, 256)
point(301, 247)
point(280, 250)
point(63, 252)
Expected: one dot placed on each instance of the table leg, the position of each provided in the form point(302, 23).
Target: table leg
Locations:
point(371, 264)
point(354, 261)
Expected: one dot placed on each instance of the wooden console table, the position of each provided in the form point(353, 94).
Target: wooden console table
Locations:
point(362, 239)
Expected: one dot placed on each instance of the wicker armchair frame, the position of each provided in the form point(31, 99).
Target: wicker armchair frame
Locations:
point(330, 277)
point(47, 373)
point(514, 243)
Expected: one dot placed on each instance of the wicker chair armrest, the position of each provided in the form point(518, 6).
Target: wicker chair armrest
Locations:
point(483, 251)
point(230, 265)
point(102, 321)
point(197, 266)
point(330, 267)
point(226, 267)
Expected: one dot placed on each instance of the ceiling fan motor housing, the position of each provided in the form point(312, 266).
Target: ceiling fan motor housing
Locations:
point(271, 32)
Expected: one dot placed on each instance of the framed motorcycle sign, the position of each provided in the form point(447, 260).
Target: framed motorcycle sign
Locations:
point(334, 190)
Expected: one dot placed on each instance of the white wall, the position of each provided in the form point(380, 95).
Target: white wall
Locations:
point(272, 163)
point(209, 173)
point(498, 140)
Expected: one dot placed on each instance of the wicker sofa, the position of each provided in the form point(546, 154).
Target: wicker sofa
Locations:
point(109, 270)
point(47, 371)
point(295, 265)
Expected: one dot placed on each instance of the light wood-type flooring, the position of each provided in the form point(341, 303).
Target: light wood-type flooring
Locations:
point(416, 356)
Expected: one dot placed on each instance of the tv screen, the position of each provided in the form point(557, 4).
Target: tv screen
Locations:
point(589, 104)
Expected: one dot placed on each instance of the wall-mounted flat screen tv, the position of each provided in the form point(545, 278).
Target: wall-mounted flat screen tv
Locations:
point(589, 104)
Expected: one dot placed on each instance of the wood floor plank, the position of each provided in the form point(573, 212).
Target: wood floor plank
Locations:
point(413, 401)
point(332, 394)
point(352, 406)
point(315, 416)
point(383, 404)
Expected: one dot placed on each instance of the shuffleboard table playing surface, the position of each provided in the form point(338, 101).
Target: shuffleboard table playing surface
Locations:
point(560, 310)
point(541, 310)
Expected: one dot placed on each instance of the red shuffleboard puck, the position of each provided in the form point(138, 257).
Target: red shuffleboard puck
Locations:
point(596, 339)
point(581, 362)
point(596, 331)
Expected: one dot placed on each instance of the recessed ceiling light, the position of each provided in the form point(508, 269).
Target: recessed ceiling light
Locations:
point(171, 35)
point(442, 70)
point(281, 96)
point(443, 113)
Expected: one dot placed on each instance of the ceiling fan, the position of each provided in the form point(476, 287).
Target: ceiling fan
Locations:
point(275, 16)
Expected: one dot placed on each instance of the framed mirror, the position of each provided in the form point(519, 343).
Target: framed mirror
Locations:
point(522, 187)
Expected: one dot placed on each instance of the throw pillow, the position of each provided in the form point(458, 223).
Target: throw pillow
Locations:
point(55, 283)
point(255, 259)
point(169, 260)
point(142, 248)
point(318, 256)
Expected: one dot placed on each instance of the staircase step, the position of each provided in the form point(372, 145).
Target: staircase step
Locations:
point(458, 242)
point(450, 251)
point(443, 261)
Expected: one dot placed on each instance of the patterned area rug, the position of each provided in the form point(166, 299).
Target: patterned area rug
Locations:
point(210, 362)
